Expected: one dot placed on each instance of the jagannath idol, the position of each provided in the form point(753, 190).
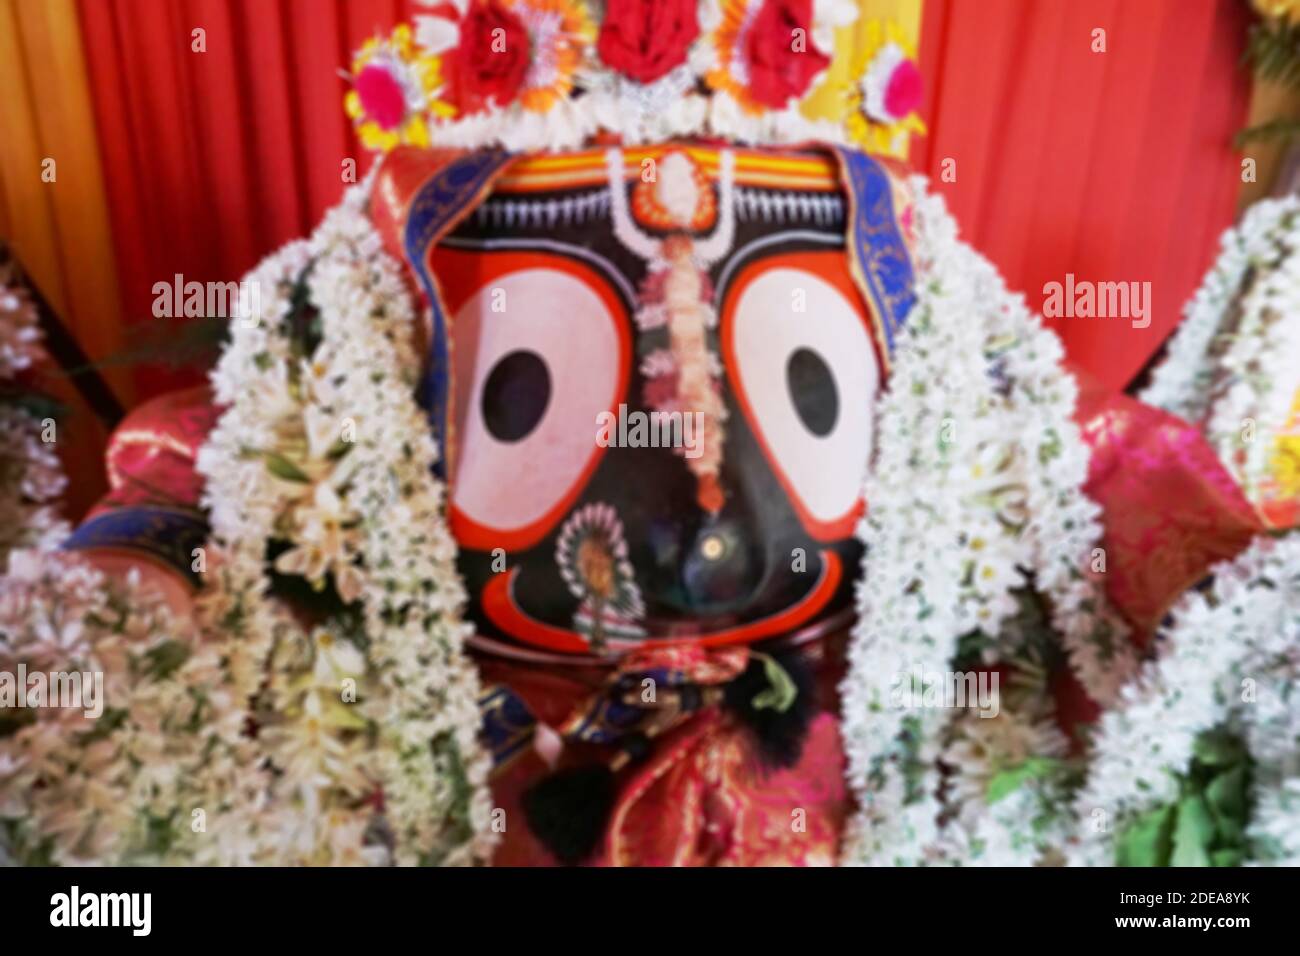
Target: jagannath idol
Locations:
point(387, 593)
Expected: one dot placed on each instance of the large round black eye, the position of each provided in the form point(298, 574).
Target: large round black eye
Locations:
point(515, 395)
point(812, 391)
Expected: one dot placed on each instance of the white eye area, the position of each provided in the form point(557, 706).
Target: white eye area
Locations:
point(537, 357)
point(807, 379)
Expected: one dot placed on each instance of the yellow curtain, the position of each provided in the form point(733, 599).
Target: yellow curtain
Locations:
point(60, 228)
point(848, 40)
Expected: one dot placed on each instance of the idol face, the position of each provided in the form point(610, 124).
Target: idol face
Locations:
point(665, 447)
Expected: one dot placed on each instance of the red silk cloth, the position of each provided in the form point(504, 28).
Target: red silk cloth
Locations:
point(1112, 166)
point(703, 796)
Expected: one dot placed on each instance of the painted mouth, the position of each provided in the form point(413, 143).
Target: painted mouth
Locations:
point(503, 610)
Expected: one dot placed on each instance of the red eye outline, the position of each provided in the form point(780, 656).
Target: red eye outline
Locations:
point(830, 267)
point(461, 274)
point(501, 608)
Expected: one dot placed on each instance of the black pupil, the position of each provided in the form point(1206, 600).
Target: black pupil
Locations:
point(812, 390)
point(515, 395)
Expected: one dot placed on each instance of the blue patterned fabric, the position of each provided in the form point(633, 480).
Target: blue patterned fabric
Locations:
point(169, 535)
point(880, 254)
point(508, 724)
point(441, 202)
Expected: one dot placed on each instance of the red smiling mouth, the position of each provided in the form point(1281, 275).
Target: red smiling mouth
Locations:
point(503, 610)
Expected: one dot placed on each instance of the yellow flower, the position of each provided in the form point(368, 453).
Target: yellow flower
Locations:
point(1286, 466)
point(1288, 10)
point(882, 98)
point(1279, 496)
point(395, 92)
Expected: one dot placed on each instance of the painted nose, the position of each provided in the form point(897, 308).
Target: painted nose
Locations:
point(720, 569)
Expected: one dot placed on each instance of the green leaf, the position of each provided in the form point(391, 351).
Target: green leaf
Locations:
point(1218, 749)
point(782, 692)
point(283, 468)
point(1193, 833)
point(109, 721)
point(159, 834)
point(166, 657)
point(1282, 129)
point(1146, 840)
point(1229, 802)
point(36, 405)
point(1009, 781)
point(1227, 794)
point(1231, 857)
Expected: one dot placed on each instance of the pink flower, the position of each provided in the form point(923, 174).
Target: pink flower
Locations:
point(903, 94)
point(382, 96)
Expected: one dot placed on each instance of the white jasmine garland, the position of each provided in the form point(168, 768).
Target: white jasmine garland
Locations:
point(975, 490)
point(170, 773)
point(1230, 656)
point(979, 747)
point(1183, 384)
point(331, 453)
point(31, 475)
point(20, 331)
point(31, 482)
point(729, 120)
point(112, 789)
point(1256, 376)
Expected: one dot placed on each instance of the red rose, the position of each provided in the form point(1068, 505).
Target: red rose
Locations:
point(645, 39)
point(779, 52)
point(491, 60)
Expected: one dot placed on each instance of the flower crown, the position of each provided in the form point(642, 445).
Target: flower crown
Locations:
point(554, 74)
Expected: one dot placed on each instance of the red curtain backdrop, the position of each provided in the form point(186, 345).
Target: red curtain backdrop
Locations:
point(1115, 166)
point(214, 159)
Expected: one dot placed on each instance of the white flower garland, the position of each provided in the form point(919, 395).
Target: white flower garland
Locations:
point(31, 476)
point(1184, 384)
point(1231, 655)
point(31, 482)
point(20, 332)
point(75, 789)
point(977, 482)
point(1259, 372)
point(331, 452)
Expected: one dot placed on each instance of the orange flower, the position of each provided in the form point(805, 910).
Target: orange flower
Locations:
point(561, 33)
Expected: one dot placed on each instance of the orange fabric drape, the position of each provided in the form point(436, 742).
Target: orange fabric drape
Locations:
point(58, 223)
point(59, 228)
point(1113, 166)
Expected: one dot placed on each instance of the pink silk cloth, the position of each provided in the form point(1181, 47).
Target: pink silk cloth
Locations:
point(1171, 508)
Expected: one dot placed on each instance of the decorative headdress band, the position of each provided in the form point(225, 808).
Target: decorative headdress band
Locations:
point(556, 74)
